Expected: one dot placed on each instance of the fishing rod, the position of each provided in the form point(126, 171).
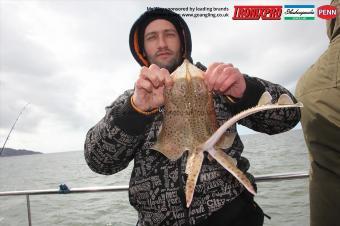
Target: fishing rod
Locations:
point(22, 110)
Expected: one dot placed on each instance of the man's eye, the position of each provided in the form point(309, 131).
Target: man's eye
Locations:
point(171, 35)
point(150, 38)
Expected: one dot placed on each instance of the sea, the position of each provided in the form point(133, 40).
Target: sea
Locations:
point(286, 202)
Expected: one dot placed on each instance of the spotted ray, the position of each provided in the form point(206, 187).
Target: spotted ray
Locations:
point(190, 125)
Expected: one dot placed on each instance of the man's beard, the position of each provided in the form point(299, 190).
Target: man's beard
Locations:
point(170, 66)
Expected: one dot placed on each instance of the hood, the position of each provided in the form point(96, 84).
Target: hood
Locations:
point(136, 37)
point(333, 26)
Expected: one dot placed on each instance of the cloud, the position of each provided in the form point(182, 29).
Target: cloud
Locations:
point(61, 58)
point(32, 72)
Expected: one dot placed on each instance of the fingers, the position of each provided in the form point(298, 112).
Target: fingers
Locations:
point(208, 76)
point(167, 79)
point(162, 75)
point(144, 84)
point(211, 68)
point(156, 76)
point(149, 87)
point(216, 74)
point(226, 79)
point(226, 84)
point(220, 74)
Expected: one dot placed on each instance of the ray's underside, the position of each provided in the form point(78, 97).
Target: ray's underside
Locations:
point(190, 125)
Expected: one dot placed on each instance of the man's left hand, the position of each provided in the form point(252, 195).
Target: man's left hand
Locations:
point(225, 79)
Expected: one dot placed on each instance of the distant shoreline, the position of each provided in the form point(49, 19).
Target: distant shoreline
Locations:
point(8, 152)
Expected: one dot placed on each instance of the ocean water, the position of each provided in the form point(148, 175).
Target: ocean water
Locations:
point(285, 201)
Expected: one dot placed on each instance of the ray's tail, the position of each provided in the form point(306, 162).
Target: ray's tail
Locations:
point(264, 103)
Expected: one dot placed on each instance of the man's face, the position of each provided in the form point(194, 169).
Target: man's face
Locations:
point(162, 44)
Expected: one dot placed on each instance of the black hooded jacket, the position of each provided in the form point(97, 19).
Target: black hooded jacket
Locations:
point(156, 188)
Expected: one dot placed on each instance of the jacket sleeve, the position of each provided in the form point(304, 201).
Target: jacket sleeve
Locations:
point(110, 145)
point(271, 121)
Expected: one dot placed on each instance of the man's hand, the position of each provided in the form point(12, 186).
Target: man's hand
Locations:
point(149, 88)
point(225, 79)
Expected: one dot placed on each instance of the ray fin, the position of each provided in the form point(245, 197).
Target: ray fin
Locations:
point(284, 99)
point(229, 164)
point(191, 155)
point(193, 173)
point(265, 99)
point(170, 150)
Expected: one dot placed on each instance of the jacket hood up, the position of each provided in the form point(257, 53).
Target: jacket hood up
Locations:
point(136, 38)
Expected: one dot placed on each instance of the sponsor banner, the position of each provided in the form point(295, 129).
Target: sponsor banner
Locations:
point(257, 12)
point(299, 12)
point(327, 12)
point(199, 12)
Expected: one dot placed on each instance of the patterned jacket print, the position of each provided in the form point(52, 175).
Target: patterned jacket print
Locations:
point(156, 188)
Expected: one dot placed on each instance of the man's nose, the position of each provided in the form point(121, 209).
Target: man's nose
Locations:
point(162, 42)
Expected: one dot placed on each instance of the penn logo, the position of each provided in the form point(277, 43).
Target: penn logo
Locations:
point(327, 12)
point(257, 12)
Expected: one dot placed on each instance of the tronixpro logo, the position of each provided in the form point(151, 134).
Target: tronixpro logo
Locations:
point(257, 12)
point(327, 12)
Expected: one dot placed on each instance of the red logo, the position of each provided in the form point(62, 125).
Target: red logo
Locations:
point(327, 12)
point(257, 12)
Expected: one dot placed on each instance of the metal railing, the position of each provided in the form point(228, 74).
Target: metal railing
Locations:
point(27, 193)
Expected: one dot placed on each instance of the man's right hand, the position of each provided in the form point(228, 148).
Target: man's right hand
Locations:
point(149, 88)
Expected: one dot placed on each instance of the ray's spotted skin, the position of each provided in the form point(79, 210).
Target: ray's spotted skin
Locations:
point(190, 125)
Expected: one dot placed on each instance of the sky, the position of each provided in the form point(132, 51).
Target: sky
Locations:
point(68, 59)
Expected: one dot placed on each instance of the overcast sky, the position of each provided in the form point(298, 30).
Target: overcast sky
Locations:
point(70, 59)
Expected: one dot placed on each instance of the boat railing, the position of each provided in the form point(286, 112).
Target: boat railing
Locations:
point(27, 193)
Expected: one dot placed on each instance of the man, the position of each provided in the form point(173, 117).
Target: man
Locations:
point(159, 41)
point(319, 90)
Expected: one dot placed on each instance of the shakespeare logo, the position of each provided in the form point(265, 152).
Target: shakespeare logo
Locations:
point(257, 12)
point(327, 12)
point(299, 12)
